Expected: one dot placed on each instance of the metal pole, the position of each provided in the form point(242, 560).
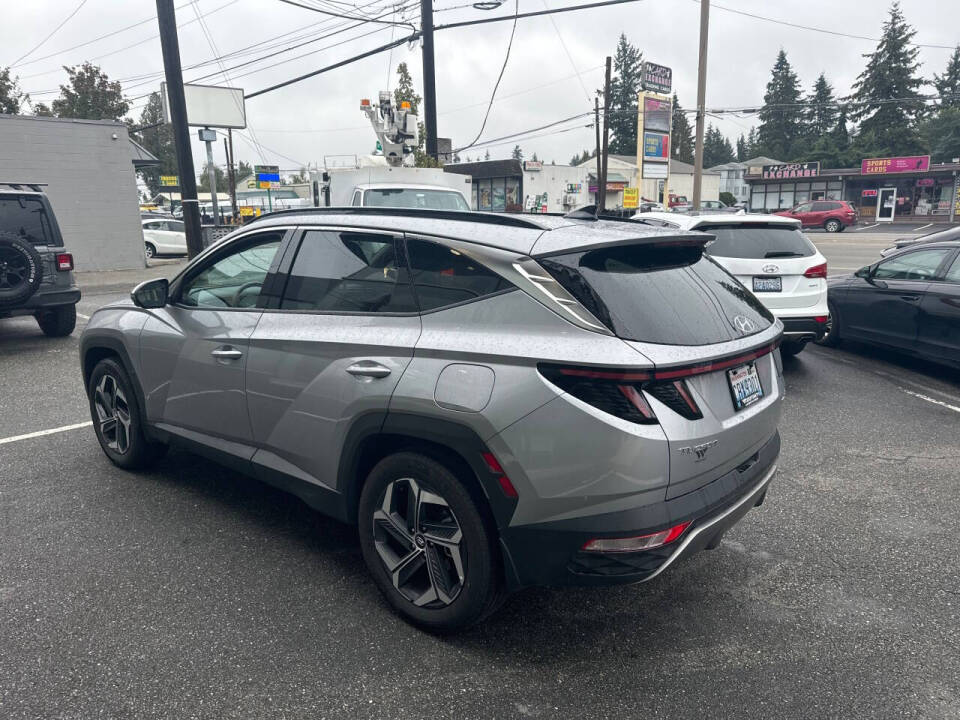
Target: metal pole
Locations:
point(701, 102)
point(231, 172)
point(167, 21)
point(269, 200)
point(212, 182)
point(601, 190)
point(429, 78)
point(955, 199)
point(606, 134)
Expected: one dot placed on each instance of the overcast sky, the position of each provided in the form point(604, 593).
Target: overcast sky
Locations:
point(543, 82)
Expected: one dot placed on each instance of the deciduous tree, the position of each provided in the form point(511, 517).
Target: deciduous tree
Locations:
point(11, 97)
point(90, 95)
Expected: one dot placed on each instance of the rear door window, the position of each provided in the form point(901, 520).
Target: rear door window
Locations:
point(26, 217)
point(664, 295)
point(443, 276)
point(821, 206)
point(757, 242)
point(348, 272)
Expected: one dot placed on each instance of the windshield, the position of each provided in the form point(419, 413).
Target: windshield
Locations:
point(665, 295)
point(757, 241)
point(415, 198)
point(27, 218)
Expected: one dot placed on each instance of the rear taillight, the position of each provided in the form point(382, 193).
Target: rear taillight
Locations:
point(636, 544)
point(64, 262)
point(817, 271)
point(619, 393)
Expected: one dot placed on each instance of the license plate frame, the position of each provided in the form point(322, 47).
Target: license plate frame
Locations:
point(745, 386)
point(768, 284)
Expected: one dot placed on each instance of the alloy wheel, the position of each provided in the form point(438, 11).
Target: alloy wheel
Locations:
point(113, 414)
point(13, 269)
point(420, 543)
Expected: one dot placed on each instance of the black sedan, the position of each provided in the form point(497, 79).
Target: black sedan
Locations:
point(910, 301)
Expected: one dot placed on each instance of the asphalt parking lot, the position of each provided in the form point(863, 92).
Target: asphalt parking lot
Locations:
point(191, 592)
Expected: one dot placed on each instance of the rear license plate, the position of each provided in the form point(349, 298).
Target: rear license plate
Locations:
point(745, 385)
point(768, 284)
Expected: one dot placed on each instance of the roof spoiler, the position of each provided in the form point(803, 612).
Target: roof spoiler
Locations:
point(591, 212)
point(562, 242)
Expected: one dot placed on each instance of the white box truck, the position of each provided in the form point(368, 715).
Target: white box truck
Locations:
point(404, 187)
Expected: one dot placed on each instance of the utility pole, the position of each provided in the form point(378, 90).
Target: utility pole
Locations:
point(231, 175)
point(429, 78)
point(606, 134)
point(596, 123)
point(167, 21)
point(701, 102)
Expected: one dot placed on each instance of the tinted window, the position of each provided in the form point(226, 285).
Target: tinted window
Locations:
point(443, 276)
point(757, 241)
point(822, 206)
point(175, 225)
point(953, 274)
point(154, 225)
point(233, 281)
point(348, 272)
point(804, 208)
point(918, 265)
point(672, 296)
point(27, 218)
point(413, 198)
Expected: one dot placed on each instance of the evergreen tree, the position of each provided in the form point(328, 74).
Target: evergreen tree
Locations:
point(486, 155)
point(716, 148)
point(821, 111)
point(624, 89)
point(742, 150)
point(947, 85)
point(11, 97)
point(753, 148)
point(42, 110)
point(405, 91)
point(535, 158)
point(889, 128)
point(159, 141)
point(90, 95)
point(220, 177)
point(832, 149)
point(781, 126)
point(244, 169)
point(681, 134)
point(517, 153)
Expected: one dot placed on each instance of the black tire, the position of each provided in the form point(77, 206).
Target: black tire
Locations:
point(57, 321)
point(21, 269)
point(135, 451)
point(479, 591)
point(832, 338)
point(833, 225)
point(790, 348)
point(149, 250)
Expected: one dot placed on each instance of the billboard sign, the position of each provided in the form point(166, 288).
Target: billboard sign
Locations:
point(885, 166)
point(788, 171)
point(654, 171)
point(532, 165)
point(656, 78)
point(210, 106)
point(631, 197)
point(656, 114)
point(656, 146)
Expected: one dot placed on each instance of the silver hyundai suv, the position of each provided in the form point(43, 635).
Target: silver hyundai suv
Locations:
point(496, 401)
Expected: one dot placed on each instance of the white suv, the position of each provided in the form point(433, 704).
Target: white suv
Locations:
point(772, 258)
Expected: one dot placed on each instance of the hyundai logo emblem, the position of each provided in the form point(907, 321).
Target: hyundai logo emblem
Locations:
point(771, 268)
point(744, 324)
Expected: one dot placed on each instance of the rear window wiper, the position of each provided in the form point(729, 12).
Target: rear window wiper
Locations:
point(783, 254)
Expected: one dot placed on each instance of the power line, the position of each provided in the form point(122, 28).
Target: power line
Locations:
point(537, 13)
point(567, 52)
point(347, 17)
point(52, 33)
point(493, 95)
point(514, 136)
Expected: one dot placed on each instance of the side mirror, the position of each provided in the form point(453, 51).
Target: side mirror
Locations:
point(151, 294)
point(863, 272)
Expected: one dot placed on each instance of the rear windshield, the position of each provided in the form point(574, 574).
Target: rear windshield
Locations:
point(26, 217)
point(664, 295)
point(757, 242)
point(412, 198)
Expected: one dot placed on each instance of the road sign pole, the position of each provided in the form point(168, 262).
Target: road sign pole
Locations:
point(269, 200)
point(208, 136)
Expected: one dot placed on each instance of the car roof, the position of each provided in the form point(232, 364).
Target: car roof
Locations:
point(686, 221)
point(523, 233)
point(404, 186)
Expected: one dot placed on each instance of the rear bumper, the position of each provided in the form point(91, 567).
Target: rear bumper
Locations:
point(43, 300)
point(803, 328)
point(551, 553)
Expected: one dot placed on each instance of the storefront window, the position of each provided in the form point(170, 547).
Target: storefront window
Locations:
point(756, 199)
point(484, 191)
point(802, 196)
point(773, 197)
point(786, 197)
point(513, 195)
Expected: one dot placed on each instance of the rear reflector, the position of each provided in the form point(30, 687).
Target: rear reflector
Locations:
point(497, 469)
point(821, 318)
point(636, 544)
point(64, 262)
point(817, 271)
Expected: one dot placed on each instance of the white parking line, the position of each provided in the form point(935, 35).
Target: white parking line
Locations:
point(82, 316)
point(932, 400)
point(41, 433)
point(922, 227)
point(867, 227)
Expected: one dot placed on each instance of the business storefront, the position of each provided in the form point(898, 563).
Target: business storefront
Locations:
point(882, 189)
point(524, 186)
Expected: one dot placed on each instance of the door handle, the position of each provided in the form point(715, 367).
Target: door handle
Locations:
point(368, 368)
point(227, 353)
point(910, 298)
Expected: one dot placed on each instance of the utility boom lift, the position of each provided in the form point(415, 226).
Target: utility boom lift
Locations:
point(396, 128)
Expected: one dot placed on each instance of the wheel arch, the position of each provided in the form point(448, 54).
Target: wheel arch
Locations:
point(94, 350)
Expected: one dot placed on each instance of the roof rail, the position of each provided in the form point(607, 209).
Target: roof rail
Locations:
point(35, 187)
point(463, 215)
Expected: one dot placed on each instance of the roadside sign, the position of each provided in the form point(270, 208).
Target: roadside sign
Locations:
point(268, 178)
point(656, 146)
point(266, 169)
point(264, 184)
point(169, 181)
point(656, 78)
point(631, 197)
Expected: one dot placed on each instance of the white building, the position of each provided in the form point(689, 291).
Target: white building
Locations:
point(622, 172)
point(732, 176)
